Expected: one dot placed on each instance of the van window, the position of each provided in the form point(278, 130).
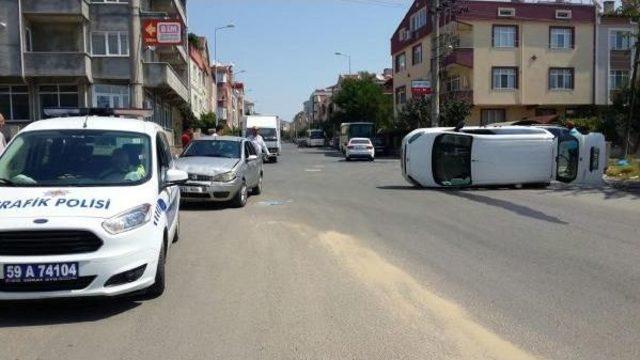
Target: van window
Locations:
point(567, 159)
point(594, 162)
point(268, 134)
point(451, 160)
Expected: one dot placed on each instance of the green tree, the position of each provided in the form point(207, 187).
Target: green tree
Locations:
point(415, 114)
point(362, 99)
point(631, 8)
point(453, 111)
point(208, 120)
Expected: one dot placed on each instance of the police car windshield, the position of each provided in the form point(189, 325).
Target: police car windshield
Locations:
point(76, 158)
point(213, 148)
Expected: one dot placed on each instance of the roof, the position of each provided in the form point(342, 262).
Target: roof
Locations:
point(95, 123)
point(220, 138)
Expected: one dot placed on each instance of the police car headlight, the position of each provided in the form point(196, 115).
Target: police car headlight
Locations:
point(128, 220)
point(226, 177)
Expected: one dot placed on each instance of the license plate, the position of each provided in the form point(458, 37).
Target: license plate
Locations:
point(191, 189)
point(361, 147)
point(26, 273)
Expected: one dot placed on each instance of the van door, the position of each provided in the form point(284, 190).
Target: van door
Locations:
point(568, 158)
point(451, 160)
point(593, 159)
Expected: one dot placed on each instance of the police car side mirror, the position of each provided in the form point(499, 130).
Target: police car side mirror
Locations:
point(176, 177)
point(252, 158)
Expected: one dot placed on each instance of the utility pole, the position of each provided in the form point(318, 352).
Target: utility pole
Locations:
point(435, 63)
point(633, 85)
point(137, 90)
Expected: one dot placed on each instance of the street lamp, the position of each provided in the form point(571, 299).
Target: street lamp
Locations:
point(348, 57)
point(215, 40)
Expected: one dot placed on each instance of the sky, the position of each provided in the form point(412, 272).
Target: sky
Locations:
point(287, 47)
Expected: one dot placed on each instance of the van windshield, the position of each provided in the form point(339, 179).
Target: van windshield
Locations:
point(76, 158)
point(268, 134)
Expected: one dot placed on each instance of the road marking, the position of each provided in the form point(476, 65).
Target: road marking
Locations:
point(274, 202)
point(406, 294)
point(313, 170)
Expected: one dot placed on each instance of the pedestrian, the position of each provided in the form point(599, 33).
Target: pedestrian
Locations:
point(219, 130)
point(3, 140)
point(187, 136)
point(258, 142)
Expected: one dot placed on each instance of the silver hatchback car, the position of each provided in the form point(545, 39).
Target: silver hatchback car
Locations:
point(223, 168)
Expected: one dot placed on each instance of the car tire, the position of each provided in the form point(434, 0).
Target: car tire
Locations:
point(275, 159)
point(347, 158)
point(240, 200)
point(157, 289)
point(258, 189)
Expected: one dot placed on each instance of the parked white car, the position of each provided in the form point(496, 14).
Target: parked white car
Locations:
point(359, 148)
point(509, 155)
point(89, 206)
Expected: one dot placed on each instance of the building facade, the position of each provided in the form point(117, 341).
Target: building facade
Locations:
point(203, 91)
point(511, 60)
point(78, 53)
point(224, 82)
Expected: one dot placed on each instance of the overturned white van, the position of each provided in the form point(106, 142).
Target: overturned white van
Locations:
point(508, 155)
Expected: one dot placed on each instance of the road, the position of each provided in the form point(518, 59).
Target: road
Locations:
point(339, 260)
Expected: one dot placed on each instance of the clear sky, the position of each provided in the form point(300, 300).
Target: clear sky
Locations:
point(287, 46)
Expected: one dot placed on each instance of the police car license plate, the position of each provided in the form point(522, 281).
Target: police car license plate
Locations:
point(29, 273)
point(191, 189)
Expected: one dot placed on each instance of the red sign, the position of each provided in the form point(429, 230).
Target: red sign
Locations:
point(161, 32)
point(421, 87)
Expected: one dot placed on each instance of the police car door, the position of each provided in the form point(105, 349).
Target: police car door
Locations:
point(168, 197)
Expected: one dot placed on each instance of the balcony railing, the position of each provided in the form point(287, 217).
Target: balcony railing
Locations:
point(161, 75)
point(459, 56)
point(462, 95)
point(65, 64)
point(74, 9)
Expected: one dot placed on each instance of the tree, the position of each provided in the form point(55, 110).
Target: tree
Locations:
point(362, 99)
point(208, 120)
point(631, 8)
point(415, 114)
point(453, 111)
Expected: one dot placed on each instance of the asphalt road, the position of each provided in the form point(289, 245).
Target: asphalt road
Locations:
point(342, 260)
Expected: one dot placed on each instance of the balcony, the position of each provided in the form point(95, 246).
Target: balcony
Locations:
point(162, 76)
point(174, 8)
point(56, 10)
point(222, 113)
point(461, 95)
point(57, 64)
point(459, 56)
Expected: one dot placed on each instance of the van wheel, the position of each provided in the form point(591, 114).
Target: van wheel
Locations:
point(157, 289)
point(258, 189)
point(240, 200)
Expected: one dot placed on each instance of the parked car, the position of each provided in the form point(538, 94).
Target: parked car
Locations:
point(89, 208)
point(509, 155)
point(223, 168)
point(359, 148)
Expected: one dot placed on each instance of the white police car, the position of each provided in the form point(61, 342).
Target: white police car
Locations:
point(88, 207)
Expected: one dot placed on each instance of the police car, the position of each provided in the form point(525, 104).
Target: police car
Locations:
point(88, 207)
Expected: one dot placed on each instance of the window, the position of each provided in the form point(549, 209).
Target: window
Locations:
point(402, 34)
point(417, 54)
point(112, 43)
point(401, 62)
point(505, 36)
point(57, 96)
point(505, 78)
point(452, 160)
point(620, 40)
point(506, 12)
point(111, 96)
point(401, 95)
point(490, 116)
point(561, 78)
point(110, 1)
point(594, 160)
point(14, 102)
point(418, 20)
point(563, 14)
point(561, 37)
point(618, 79)
point(453, 83)
point(28, 39)
point(568, 157)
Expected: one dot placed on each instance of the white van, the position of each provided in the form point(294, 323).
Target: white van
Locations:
point(88, 207)
point(510, 155)
point(315, 138)
point(269, 129)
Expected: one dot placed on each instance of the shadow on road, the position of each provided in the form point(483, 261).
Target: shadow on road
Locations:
point(204, 206)
point(34, 313)
point(607, 192)
point(399, 187)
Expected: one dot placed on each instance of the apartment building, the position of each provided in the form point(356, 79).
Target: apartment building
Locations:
point(77, 53)
point(224, 81)
point(238, 105)
point(615, 52)
point(203, 91)
point(511, 60)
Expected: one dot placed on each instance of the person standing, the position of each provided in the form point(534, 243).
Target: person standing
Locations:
point(3, 140)
point(187, 136)
point(258, 142)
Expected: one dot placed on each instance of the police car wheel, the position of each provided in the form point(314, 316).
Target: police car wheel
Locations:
point(157, 289)
point(240, 200)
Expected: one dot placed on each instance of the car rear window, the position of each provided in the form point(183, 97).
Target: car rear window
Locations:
point(358, 142)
